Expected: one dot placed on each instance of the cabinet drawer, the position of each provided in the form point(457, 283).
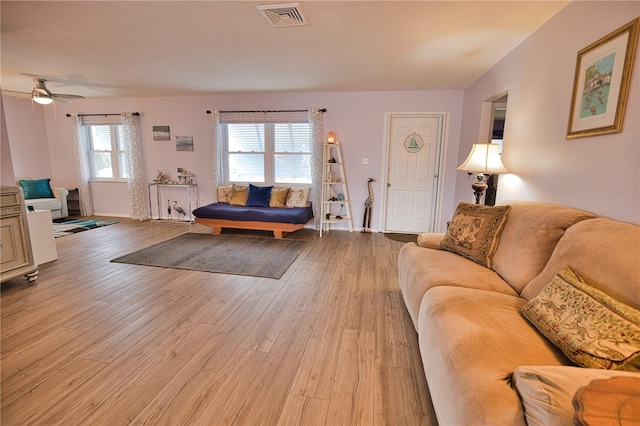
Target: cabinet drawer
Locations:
point(9, 200)
point(13, 250)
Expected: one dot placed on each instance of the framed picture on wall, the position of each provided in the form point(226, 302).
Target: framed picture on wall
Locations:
point(601, 84)
point(184, 143)
point(161, 133)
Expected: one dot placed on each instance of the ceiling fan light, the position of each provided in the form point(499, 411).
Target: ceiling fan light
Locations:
point(40, 98)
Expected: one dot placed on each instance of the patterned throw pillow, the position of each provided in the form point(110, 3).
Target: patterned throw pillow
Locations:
point(591, 328)
point(474, 231)
point(279, 197)
point(239, 195)
point(297, 197)
point(224, 193)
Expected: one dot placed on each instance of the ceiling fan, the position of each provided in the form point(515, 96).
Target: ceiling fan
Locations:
point(42, 95)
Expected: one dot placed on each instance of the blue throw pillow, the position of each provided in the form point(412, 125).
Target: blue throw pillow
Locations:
point(259, 196)
point(36, 188)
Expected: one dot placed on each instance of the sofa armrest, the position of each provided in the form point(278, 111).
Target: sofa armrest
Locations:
point(61, 194)
point(430, 240)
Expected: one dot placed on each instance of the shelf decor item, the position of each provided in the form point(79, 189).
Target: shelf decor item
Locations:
point(601, 83)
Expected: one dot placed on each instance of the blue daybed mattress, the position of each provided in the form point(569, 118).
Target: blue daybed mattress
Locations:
point(295, 215)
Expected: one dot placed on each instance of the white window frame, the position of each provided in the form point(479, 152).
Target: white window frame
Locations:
point(269, 156)
point(115, 154)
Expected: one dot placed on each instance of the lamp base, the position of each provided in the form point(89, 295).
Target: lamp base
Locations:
point(479, 186)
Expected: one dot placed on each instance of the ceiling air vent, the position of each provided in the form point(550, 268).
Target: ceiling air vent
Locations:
point(283, 15)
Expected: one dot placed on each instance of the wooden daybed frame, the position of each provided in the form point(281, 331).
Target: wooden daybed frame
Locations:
point(277, 228)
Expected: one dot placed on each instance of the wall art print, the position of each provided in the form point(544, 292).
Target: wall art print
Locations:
point(413, 142)
point(184, 143)
point(601, 83)
point(161, 133)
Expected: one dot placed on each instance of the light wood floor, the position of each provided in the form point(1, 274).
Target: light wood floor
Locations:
point(94, 342)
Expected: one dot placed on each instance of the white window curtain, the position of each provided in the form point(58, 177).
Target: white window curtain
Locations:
point(216, 154)
point(313, 116)
point(315, 121)
point(83, 169)
point(133, 156)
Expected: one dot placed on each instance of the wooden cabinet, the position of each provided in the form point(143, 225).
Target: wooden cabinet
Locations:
point(15, 245)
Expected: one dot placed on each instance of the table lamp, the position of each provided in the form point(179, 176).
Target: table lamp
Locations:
point(484, 159)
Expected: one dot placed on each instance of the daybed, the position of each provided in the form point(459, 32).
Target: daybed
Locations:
point(42, 196)
point(257, 208)
point(507, 333)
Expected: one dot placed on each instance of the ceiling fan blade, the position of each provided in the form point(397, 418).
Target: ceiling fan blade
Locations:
point(14, 94)
point(58, 98)
point(65, 95)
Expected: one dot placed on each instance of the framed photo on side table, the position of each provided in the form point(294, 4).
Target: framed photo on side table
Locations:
point(601, 83)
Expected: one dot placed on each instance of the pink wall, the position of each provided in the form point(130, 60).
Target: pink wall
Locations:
point(357, 118)
point(27, 135)
point(599, 174)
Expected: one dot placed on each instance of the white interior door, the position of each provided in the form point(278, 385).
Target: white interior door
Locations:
point(415, 142)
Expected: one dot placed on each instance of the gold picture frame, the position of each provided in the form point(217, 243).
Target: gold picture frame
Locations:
point(601, 83)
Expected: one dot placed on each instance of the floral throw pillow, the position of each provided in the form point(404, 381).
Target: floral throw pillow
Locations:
point(224, 193)
point(474, 231)
point(591, 328)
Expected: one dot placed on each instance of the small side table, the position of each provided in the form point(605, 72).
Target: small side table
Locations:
point(73, 202)
point(43, 242)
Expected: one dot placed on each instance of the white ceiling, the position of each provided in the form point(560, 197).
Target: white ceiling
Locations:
point(104, 49)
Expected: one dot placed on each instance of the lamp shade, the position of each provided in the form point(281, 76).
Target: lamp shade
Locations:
point(40, 98)
point(483, 158)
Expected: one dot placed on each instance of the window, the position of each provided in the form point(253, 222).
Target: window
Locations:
point(106, 152)
point(270, 153)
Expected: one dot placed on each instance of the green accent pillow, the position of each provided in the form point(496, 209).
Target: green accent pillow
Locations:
point(36, 188)
point(591, 328)
point(474, 231)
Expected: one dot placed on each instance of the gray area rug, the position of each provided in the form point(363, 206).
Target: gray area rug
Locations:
point(225, 254)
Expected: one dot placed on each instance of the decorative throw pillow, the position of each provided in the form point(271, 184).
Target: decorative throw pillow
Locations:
point(279, 197)
point(297, 197)
point(225, 192)
point(591, 328)
point(36, 188)
point(474, 231)
point(259, 196)
point(239, 195)
point(547, 392)
point(430, 240)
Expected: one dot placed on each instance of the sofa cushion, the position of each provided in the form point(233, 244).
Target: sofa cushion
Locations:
point(474, 231)
point(547, 392)
point(52, 204)
point(259, 196)
point(297, 197)
point(591, 328)
point(36, 188)
point(279, 197)
point(471, 342)
point(430, 240)
point(531, 232)
point(225, 192)
point(421, 269)
point(605, 253)
point(239, 195)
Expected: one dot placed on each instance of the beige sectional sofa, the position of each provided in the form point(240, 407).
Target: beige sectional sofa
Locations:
point(485, 362)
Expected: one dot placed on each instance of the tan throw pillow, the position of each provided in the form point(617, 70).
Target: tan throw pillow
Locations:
point(474, 231)
point(430, 240)
point(591, 328)
point(225, 192)
point(297, 197)
point(547, 392)
point(239, 195)
point(279, 197)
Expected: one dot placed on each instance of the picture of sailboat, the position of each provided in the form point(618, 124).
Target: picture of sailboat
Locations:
point(413, 142)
